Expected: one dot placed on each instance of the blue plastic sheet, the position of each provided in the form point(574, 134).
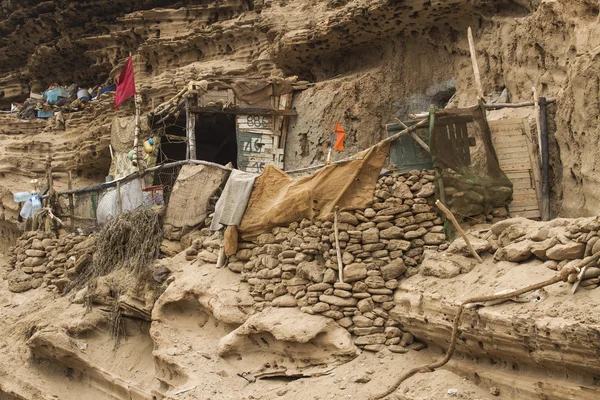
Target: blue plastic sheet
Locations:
point(52, 95)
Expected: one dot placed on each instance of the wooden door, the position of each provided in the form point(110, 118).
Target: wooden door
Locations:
point(518, 158)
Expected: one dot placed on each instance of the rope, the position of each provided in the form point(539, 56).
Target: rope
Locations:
point(560, 277)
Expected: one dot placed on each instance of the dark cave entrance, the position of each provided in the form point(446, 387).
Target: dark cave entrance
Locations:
point(216, 139)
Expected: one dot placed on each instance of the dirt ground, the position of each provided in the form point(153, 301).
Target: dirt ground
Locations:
point(53, 348)
point(76, 358)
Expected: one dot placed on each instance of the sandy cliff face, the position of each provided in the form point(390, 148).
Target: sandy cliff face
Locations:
point(371, 62)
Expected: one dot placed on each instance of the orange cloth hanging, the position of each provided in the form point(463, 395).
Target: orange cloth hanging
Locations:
point(340, 135)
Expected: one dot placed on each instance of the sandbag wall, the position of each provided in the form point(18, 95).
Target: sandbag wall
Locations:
point(39, 259)
point(296, 265)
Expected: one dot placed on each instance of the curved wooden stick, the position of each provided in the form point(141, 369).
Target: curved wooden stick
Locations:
point(462, 233)
point(560, 277)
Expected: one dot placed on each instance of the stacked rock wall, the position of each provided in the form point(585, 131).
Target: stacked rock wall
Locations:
point(560, 243)
point(296, 265)
point(39, 259)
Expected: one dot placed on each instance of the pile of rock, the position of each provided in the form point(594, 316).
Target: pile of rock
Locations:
point(560, 243)
point(39, 259)
point(296, 265)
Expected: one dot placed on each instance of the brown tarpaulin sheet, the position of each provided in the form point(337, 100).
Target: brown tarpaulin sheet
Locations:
point(278, 199)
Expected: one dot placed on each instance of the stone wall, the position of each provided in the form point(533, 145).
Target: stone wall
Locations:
point(296, 265)
point(560, 243)
point(39, 259)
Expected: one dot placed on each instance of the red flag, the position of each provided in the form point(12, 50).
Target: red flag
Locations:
point(125, 84)
point(340, 135)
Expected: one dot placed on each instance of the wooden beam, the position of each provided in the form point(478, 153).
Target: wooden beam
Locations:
point(249, 111)
point(475, 66)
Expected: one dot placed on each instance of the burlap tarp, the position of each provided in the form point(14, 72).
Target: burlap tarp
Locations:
point(278, 199)
point(248, 90)
point(253, 91)
point(188, 205)
point(121, 140)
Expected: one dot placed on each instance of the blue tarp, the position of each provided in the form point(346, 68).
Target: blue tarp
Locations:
point(52, 95)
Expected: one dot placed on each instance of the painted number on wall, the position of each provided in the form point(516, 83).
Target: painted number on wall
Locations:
point(252, 144)
point(258, 121)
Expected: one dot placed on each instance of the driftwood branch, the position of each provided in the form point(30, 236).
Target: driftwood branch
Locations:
point(462, 233)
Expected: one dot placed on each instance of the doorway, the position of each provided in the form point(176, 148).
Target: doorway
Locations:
point(216, 139)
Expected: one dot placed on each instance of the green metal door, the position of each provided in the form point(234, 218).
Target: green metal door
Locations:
point(405, 153)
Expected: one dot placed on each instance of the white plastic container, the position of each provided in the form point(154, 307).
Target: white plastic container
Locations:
point(26, 210)
point(21, 197)
point(31, 206)
point(36, 203)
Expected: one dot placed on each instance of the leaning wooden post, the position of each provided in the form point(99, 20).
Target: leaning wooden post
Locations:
point(119, 203)
point(438, 170)
point(71, 200)
point(475, 65)
point(462, 233)
point(337, 244)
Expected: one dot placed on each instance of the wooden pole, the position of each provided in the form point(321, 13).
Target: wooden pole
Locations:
point(191, 127)
point(438, 171)
point(337, 244)
point(119, 204)
point(462, 233)
point(545, 161)
point(136, 146)
point(475, 65)
point(187, 128)
point(71, 200)
point(538, 123)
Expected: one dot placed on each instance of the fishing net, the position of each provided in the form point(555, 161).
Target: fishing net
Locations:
point(469, 179)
